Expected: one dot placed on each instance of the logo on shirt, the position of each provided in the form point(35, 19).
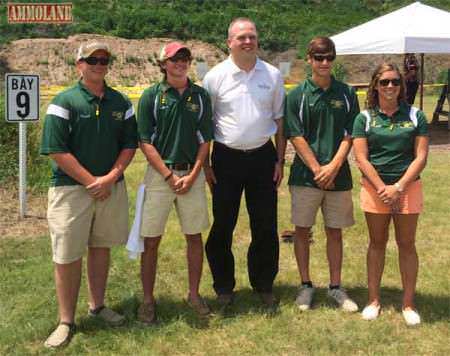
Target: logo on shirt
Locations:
point(337, 104)
point(192, 107)
point(264, 86)
point(117, 115)
point(163, 102)
point(406, 124)
point(373, 123)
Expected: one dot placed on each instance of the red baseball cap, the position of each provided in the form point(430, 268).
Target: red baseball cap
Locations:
point(171, 49)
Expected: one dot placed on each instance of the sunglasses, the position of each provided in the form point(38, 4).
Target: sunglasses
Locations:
point(180, 57)
point(321, 57)
point(92, 61)
point(385, 82)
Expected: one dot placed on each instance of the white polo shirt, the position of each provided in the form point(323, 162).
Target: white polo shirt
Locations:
point(245, 104)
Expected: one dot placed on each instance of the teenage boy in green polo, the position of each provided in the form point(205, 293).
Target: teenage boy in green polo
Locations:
point(175, 127)
point(319, 117)
point(91, 136)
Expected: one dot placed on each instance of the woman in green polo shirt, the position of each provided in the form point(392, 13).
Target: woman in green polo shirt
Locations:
point(391, 147)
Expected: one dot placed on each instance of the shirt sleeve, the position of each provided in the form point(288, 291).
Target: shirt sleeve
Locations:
point(359, 126)
point(129, 137)
point(422, 124)
point(293, 118)
point(146, 121)
point(278, 98)
point(56, 130)
point(353, 112)
point(205, 131)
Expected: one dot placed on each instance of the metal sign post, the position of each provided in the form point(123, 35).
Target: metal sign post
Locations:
point(22, 169)
point(22, 105)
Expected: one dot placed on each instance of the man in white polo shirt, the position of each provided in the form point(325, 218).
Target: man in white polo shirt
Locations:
point(247, 95)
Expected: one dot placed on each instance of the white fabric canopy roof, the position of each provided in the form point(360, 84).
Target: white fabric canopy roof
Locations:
point(415, 28)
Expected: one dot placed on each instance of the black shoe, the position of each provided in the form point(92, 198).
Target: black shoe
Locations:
point(268, 299)
point(225, 300)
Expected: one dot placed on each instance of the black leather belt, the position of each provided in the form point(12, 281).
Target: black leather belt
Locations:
point(251, 150)
point(180, 166)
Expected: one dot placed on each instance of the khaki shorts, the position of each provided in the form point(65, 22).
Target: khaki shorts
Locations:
point(76, 220)
point(409, 202)
point(337, 207)
point(191, 207)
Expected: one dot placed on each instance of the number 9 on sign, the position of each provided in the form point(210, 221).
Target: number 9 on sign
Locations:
point(23, 103)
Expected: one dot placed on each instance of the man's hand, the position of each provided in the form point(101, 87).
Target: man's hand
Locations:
point(210, 176)
point(184, 183)
point(325, 178)
point(100, 189)
point(173, 182)
point(388, 194)
point(278, 173)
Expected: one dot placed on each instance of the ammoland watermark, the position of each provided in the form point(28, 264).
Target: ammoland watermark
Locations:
point(40, 12)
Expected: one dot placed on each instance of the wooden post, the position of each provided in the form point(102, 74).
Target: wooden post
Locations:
point(448, 99)
point(422, 70)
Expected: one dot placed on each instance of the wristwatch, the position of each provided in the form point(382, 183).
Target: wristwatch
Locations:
point(398, 187)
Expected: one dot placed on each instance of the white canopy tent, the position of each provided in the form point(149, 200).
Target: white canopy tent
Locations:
point(416, 28)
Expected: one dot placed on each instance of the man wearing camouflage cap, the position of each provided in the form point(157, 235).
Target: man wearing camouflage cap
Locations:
point(90, 134)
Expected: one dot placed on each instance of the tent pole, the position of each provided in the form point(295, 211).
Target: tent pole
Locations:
point(422, 70)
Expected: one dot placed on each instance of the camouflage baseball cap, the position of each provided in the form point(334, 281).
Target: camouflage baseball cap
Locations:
point(86, 49)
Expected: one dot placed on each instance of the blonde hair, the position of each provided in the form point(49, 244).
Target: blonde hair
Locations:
point(372, 93)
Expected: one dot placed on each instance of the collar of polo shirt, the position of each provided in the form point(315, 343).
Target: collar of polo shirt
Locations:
point(235, 69)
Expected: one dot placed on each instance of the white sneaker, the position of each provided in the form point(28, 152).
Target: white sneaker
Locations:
point(411, 317)
point(371, 312)
point(304, 297)
point(342, 299)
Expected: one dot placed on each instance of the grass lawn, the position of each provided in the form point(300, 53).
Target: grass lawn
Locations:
point(28, 306)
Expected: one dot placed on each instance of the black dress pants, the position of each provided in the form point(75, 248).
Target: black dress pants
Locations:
point(252, 172)
point(411, 91)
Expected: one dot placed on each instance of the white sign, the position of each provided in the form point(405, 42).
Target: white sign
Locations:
point(285, 69)
point(202, 69)
point(22, 97)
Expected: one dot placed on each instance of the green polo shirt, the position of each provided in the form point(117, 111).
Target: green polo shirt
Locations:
point(391, 140)
point(323, 118)
point(175, 124)
point(93, 129)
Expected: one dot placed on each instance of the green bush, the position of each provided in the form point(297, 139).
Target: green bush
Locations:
point(339, 71)
point(37, 166)
point(282, 24)
point(9, 142)
point(443, 76)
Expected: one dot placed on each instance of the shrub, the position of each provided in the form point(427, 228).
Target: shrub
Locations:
point(37, 166)
point(70, 61)
point(339, 71)
point(9, 142)
point(132, 59)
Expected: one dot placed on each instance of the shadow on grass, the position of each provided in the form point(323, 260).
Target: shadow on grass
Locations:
point(171, 311)
point(168, 311)
point(432, 308)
